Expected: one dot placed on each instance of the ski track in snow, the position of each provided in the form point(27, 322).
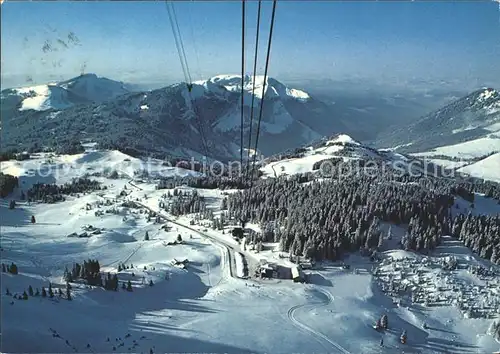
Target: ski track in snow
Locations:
point(305, 328)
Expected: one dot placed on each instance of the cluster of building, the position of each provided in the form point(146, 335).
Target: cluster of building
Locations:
point(430, 282)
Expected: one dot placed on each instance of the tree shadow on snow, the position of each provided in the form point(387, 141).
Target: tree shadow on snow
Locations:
point(440, 330)
point(179, 293)
point(318, 279)
point(447, 346)
point(169, 343)
point(13, 217)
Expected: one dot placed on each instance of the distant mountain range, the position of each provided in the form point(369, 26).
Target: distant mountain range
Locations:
point(475, 116)
point(168, 121)
point(165, 120)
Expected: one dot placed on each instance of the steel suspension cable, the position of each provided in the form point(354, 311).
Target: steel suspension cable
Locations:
point(253, 88)
point(190, 82)
point(268, 55)
point(242, 77)
point(194, 43)
point(185, 68)
point(179, 52)
point(261, 104)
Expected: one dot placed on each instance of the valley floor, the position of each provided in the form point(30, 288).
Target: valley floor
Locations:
point(203, 308)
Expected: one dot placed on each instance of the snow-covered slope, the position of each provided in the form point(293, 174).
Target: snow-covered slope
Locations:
point(85, 88)
point(43, 97)
point(475, 117)
point(487, 168)
point(283, 123)
point(477, 157)
point(316, 158)
point(471, 149)
point(274, 88)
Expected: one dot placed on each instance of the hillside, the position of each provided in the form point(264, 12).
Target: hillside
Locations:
point(86, 88)
point(166, 120)
point(475, 117)
point(326, 155)
point(487, 168)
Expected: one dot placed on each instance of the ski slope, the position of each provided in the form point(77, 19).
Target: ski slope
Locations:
point(488, 168)
point(466, 150)
point(203, 308)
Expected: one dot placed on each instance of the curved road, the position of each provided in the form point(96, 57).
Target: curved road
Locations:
point(230, 249)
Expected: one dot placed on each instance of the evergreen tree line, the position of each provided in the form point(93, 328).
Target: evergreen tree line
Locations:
point(494, 329)
point(13, 154)
point(90, 272)
point(44, 293)
point(7, 184)
point(51, 193)
point(186, 203)
point(325, 219)
point(71, 147)
point(12, 268)
point(205, 182)
point(7, 155)
point(479, 233)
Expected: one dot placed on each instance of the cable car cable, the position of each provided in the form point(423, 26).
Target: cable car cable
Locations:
point(253, 88)
point(268, 55)
point(242, 77)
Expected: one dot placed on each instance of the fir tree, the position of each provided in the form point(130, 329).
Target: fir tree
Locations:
point(44, 292)
point(51, 292)
point(25, 296)
point(146, 237)
point(30, 291)
point(13, 269)
point(68, 292)
point(384, 322)
point(129, 286)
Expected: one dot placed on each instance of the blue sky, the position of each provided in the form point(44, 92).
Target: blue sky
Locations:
point(380, 41)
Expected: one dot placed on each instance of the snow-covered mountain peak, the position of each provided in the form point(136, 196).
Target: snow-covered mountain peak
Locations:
point(93, 87)
point(339, 147)
point(86, 88)
point(342, 139)
point(232, 83)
